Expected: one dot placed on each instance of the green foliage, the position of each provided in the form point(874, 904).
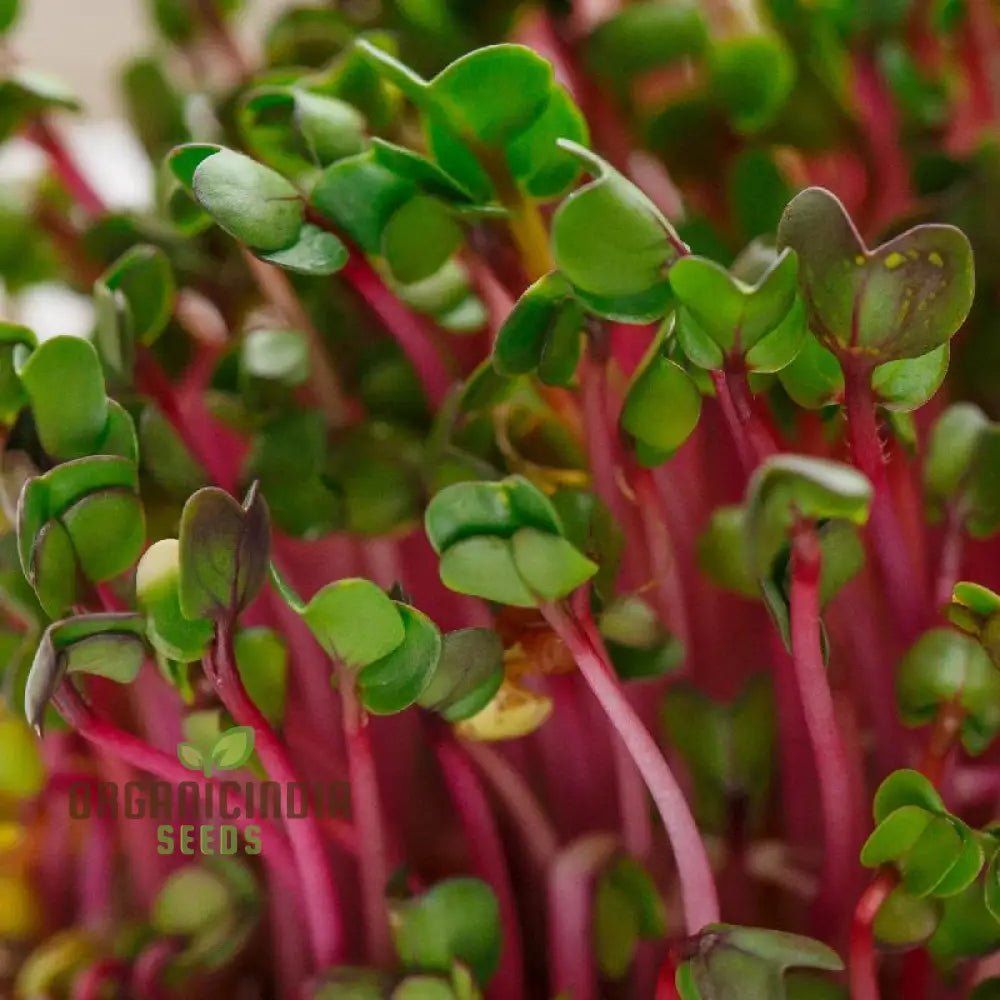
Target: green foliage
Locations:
point(937, 854)
point(613, 244)
point(106, 645)
point(503, 541)
point(541, 333)
point(455, 920)
point(211, 908)
point(748, 962)
point(63, 534)
point(900, 300)
point(727, 748)
point(628, 909)
point(354, 621)
point(223, 550)
point(945, 668)
point(723, 319)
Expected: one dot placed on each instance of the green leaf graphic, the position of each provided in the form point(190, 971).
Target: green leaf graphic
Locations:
point(233, 748)
point(190, 756)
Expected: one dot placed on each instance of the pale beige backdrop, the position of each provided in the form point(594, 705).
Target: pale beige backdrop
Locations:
point(85, 41)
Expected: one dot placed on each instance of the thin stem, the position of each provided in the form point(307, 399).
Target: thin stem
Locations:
point(571, 895)
point(701, 905)
point(637, 826)
point(941, 740)
point(150, 967)
point(863, 962)
point(737, 430)
point(527, 227)
point(43, 135)
point(92, 982)
point(410, 330)
point(328, 393)
point(950, 564)
point(752, 439)
point(512, 790)
point(304, 835)
point(139, 754)
point(368, 822)
point(903, 585)
point(828, 748)
point(486, 849)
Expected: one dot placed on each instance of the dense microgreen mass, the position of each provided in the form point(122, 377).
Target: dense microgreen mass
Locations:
point(488, 428)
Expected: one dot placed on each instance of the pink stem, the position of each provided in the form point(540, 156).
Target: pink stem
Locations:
point(304, 835)
point(487, 853)
point(369, 823)
point(97, 874)
point(138, 754)
point(950, 566)
point(511, 788)
point(410, 330)
point(637, 825)
point(752, 439)
point(701, 904)
point(571, 893)
point(43, 135)
point(828, 748)
point(863, 964)
point(149, 967)
point(903, 585)
point(92, 982)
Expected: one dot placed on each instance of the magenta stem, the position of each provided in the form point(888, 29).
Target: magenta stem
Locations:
point(304, 835)
point(369, 823)
point(139, 754)
point(92, 982)
point(950, 565)
point(633, 806)
point(903, 585)
point(571, 895)
point(512, 790)
point(863, 960)
point(752, 439)
point(43, 135)
point(149, 968)
point(411, 331)
point(486, 850)
point(698, 891)
point(828, 748)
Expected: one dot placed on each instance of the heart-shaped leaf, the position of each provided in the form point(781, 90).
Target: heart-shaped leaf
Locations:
point(65, 387)
point(786, 487)
point(901, 300)
point(544, 319)
point(157, 586)
point(945, 667)
point(251, 202)
point(354, 621)
point(662, 407)
point(233, 748)
point(223, 553)
point(262, 661)
point(608, 238)
point(905, 787)
point(455, 920)
point(397, 680)
point(107, 645)
point(468, 674)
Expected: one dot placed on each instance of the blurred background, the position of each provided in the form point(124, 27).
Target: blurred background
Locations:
point(86, 41)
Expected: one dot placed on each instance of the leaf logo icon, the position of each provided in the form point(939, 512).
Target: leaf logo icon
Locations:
point(230, 751)
point(233, 748)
